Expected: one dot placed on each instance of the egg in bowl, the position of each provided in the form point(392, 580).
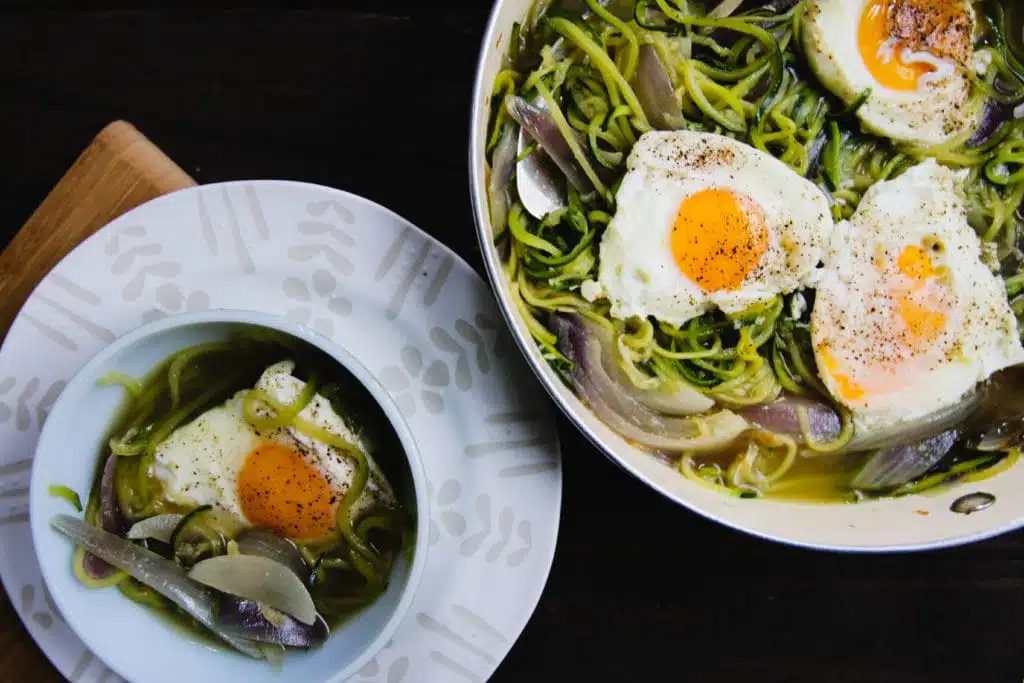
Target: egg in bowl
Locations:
point(222, 593)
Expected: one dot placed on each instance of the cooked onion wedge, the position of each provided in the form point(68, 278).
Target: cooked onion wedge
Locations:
point(679, 399)
point(655, 92)
point(260, 579)
point(890, 467)
point(617, 406)
point(163, 576)
point(503, 163)
point(266, 543)
point(159, 527)
point(249, 619)
point(537, 122)
point(783, 416)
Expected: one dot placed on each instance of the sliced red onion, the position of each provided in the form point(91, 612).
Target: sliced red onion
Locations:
point(913, 432)
point(266, 543)
point(97, 569)
point(162, 575)
point(825, 423)
point(626, 415)
point(680, 399)
point(994, 115)
point(896, 465)
point(111, 519)
point(502, 164)
point(260, 579)
point(110, 511)
point(248, 619)
point(655, 92)
point(158, 527)
point(783, 416)
point(539, 125)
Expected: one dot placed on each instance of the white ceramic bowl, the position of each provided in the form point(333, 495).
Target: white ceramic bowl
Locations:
point(136, 643)
point(909, 523)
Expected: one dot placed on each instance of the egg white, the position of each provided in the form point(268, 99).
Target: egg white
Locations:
point(638, 273)
point(199, 463)
point(923, 207)
point(941, 109)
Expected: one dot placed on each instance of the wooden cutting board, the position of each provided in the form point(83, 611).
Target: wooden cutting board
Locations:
point(119, 170)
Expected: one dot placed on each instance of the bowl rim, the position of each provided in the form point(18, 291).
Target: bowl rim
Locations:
point(564, 398)
point(101, 645)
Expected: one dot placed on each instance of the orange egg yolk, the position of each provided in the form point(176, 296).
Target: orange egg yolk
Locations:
point(279, 489)
point(922, 316)
point(917, 302)
point(942, 28)
point(881, 53)
point(718, 238)
point(845, 385)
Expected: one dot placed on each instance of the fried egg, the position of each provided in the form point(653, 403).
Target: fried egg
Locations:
point(280, 478)
point(914, 55)
point(907, 317)
point(703, 221)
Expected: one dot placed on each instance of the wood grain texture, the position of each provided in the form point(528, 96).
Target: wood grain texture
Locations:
point(119, 170)
point(373, 97)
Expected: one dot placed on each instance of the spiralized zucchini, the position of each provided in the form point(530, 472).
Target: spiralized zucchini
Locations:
point(743, 76)
point(348, 569)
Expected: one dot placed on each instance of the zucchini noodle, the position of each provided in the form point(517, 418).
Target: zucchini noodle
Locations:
point(349, 567)
point(744, 76)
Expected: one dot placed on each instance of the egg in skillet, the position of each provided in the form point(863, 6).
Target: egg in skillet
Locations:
point(280, 478)
point(907, 317)
point(913, 55)
point(702, 222)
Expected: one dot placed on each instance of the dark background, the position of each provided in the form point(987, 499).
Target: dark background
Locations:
point(373, 97)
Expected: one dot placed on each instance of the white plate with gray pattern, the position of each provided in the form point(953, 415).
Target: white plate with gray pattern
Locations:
point(405, 305)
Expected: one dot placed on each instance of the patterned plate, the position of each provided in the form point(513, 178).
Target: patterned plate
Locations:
point(404, 305)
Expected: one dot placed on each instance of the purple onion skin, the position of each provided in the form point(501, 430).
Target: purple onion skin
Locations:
point(111, 519)
point(891, 467)
point(781, 416)
point(540, 126)
point(620, 409)
point(654, 90)
point(995, 114)
point(110, 511)
point(243, 618)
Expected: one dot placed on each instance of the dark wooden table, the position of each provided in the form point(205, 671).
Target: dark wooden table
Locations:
point(374, 98)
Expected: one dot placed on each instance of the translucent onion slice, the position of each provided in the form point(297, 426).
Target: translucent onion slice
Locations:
point(634, 421)
point(679, 399)
point(655, 92)
point(266, 543)
point(162, 575)
point(540, 126)
point(503, 163)
point(159, 527)
point(890, 467)
point(783, 416)
point(260, 579)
